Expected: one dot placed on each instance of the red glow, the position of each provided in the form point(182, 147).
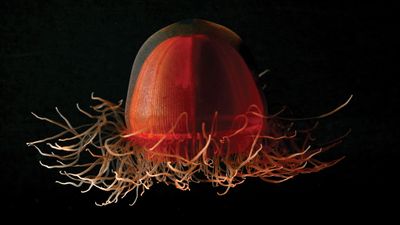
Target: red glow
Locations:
point(197, 75)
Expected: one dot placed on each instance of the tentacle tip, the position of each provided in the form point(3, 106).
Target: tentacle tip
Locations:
point(97, 204)
point(59, 182)
point(44, 165)
point(263, 73)
point(349, 99)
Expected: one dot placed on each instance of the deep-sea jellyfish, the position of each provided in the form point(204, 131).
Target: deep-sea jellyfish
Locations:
point(193, 114)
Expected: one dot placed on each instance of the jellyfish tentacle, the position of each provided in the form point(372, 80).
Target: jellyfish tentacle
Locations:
point(118, 167)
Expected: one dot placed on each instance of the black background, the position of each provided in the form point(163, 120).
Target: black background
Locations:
point(55, 53)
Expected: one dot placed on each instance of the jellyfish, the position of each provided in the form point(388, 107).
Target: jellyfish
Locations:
point(194, 114)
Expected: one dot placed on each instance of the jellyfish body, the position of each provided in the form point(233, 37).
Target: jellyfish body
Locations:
point(188, 85)
point(193, 114)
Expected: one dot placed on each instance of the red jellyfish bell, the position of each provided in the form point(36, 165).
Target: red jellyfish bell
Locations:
point(193, 114)
point(193, 95)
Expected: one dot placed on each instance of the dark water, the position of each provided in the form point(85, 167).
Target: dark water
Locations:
point(56, 53)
